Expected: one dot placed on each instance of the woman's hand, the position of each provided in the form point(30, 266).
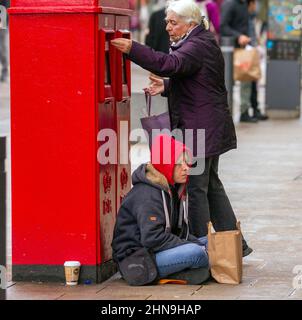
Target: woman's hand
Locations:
point(244, 40)
point(156, 86)
point(122, 44)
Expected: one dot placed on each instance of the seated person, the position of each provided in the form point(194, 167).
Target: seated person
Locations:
point(154, 216)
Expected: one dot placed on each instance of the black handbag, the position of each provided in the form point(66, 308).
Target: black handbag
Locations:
point(139, 268)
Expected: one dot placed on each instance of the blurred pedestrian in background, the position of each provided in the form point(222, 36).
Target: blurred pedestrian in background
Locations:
point(197, 99)
point(139, 18)
point(235, 23)
point(263, 15)
point(143, 19)
point(3, 47)
point(254, 42)
point(134, 19)
point(219, 3)
point(157, 37)
point(212, 12)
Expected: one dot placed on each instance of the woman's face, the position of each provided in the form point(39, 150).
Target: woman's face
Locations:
point(181, 171)
point(176, 27)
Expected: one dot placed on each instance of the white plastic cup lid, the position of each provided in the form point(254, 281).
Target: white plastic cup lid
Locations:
point(72, 264)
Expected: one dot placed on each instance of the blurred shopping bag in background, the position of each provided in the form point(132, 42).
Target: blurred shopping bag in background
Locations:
point(247, 64)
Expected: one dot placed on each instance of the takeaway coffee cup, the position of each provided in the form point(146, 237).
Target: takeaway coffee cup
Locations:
point(72, 272)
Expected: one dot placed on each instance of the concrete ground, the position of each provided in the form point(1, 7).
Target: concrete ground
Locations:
point(263, 179)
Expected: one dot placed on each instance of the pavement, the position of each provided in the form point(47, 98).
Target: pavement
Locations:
point(263, 179)
point(5, 132)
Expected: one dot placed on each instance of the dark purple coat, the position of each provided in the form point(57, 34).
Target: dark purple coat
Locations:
point(196, 88)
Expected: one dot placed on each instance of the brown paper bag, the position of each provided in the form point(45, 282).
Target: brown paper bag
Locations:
point(225, 254)
point(247, 65)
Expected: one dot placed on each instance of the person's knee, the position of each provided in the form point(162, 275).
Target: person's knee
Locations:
point(203, 239)
point(198, 256)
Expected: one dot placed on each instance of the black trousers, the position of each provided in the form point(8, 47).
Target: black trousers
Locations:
point(254, 95)
point(209, 202)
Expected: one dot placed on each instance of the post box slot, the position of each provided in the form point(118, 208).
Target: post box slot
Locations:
point(123, 79)
point(107, 75)
point(106, 64)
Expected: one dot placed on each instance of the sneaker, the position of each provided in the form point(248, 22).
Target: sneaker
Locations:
point(246, 251)
point(245, 117)
point(192, 276)
point(259, 115)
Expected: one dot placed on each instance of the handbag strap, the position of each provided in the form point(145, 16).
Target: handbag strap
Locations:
point(148, 98)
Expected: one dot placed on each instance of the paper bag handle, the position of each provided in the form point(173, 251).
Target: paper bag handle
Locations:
point(210, 227)
point(238, 225)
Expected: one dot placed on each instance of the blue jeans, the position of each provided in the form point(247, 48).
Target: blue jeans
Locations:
point(186, 256)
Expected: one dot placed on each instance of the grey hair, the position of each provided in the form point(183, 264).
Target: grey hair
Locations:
point(187, 10)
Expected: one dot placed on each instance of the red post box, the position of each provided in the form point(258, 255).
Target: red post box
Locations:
point(63, 71)
point(123, 93)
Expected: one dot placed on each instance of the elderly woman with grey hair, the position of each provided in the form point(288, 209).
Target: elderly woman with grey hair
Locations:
point(197, 99)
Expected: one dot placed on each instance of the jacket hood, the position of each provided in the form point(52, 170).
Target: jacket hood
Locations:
point(147, 174)
point(165, 152)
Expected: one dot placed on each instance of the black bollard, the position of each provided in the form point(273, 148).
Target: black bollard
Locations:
point(227, 48)
point(2, 218)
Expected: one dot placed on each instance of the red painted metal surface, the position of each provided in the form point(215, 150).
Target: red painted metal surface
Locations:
point(53, 113)
point(124, 4)
point(60, 193)
point(74, 6)
point(107, 114)
point(123, 93)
